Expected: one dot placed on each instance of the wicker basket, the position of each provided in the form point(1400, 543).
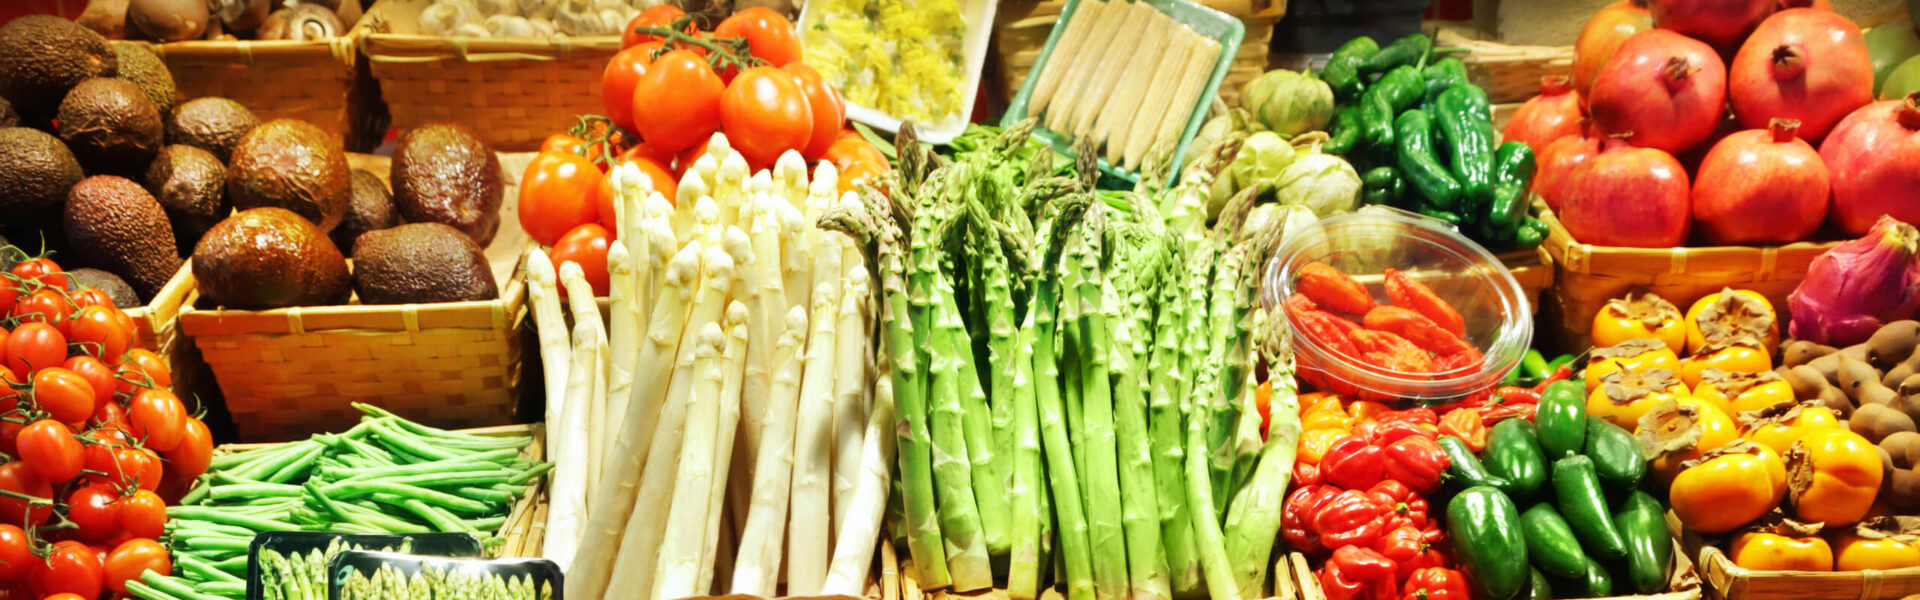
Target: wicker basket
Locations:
point(1587, 276)
point(1509, 73)
point(1533, 270)
point(1022, 27)
point(1685, 583)
point(515, 92)
point(321, 82)
point(1728, 581)
point(154, 321)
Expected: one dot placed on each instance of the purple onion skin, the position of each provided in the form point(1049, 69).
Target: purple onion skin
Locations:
point(1853, 289)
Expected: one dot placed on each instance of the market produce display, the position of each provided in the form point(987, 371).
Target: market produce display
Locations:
point(897, 57)
point(296, 575)
point(539, 19)
point(220, 20)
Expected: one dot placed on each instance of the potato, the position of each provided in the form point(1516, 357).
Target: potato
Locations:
point(1877, 421)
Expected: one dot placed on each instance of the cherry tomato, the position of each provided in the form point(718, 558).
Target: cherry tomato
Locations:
point(132, 466)
point(109, 416)
point(71, 568)
point(98, 333)
point(684, 159)
point(769, 34)
point(157, 417)
point(104, 456)
point(9, 433)
point(95, 508)
point(622, 74)
point(561, 142)
point(48, 447)
point(143, 514)
point(829, 110)
point(9, 395)
point(556, 195)
point(677, 102)
point(661, 15)
point(644, 150)
point(765, 115)
point(92, 297)
point(9, 296)
point(18, 478)
point(97, 374)
point(44, 271)
point(63, 394)
point(130, 559)
point(16, 557)
point(657, 178)
point(45, 306)
point(195, 451)
point(587, 245)
point(142, 366)
point(34, 346)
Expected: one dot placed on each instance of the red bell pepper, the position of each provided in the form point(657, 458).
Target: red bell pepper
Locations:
point(1353, 463)
point(1296, 517)
point(1410, 551)
point(1416, 461)
point(1435, 583)
point(1351, 518)
point(1356, 573)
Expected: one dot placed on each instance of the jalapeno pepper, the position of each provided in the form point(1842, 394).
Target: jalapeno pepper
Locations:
point(1417, 162)
point(1377, 125)
point(1402, 87)
point(1342, 72)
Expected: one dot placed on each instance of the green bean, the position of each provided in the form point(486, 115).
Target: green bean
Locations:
point(175, 587)
point(442, 499)
point(189, 564)
point(255, 490)
point(227, 517)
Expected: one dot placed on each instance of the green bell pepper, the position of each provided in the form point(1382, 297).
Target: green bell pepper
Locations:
point(1577, 494)
point(1643, 524)
point(1485, 528)
point(1616, 454)
point(1513, 453)
point(1469, 139)
point(1551, 544)
point(1562, 419)
point(1418, 163)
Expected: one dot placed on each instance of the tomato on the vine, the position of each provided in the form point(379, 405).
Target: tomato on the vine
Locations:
point(49, 448)
point(143, 514)
point(16, 477)
point(97, 374)
point(769, 34)
point(64, 394)
point(677, 102)
point(9, 295)
point(658, 178)
point(561, 142)
point(683, 160)
point(642, 149)
point(765, 114)
point(35, 346)
point(622, 75)
point(44, 271)
point(142, 366)
point(99, 333)
point(16, 553)
point(137, 466)
point(133, 557)
point(195, 451)
point(109, 417)
point(92, 297)
point(157, 416)
point(71, 568)
point(46, 306)
point(856, 175)
point(556, 195)
point(95, 509)
point(661, 15)
point(829, 109)
point(587, 246)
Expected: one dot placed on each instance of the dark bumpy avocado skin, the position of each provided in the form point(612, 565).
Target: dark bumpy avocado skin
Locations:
point(8, 117)
point(46, 57)
point(443, 173)
point(371, 209)
point(269, 258)
point(36, 170)
point(420, 263)
point(211, 123)
point(191, 185)
point(111, 126)
point(116, 226)
point(140, 66)
point(115, 287)
point(294, 165)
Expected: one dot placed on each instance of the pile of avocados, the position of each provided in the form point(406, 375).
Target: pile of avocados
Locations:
point(102, 165)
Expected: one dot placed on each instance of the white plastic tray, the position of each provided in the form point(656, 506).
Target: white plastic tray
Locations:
point(979, 16)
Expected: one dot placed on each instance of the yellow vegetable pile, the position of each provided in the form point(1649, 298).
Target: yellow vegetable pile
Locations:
point(902, 58)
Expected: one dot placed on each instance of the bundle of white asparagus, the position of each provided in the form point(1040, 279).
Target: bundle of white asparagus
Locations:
point(722, 422)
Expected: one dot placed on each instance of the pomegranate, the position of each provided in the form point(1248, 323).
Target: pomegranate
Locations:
point(1665, 89)
point(1826, 5)
point(1760, 186)
point(1720, 23)
point(1553, 114)
point(1627, 196)
point(1805, 64)
point(1601, 36)
point(1557, 162)
point(1871, 155)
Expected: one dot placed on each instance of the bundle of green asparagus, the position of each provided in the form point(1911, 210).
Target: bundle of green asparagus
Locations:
point(1076, 375)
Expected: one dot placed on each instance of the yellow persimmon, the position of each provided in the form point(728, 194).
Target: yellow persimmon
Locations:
point(1780, 425)
point(1767, 551)
point(1623, 396)
point(1640, 316)
point(1722, 313)
point(1737, 391)
point(1725, 492)
point(1842, 473)
point(1633, 355)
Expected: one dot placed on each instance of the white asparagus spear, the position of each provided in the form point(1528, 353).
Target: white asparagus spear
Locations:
point(763, 328)
point(790, 176)
point(693, 185)
point(757, 570)
point(570, 484)
point(622, 347)
point(796, 267)
point(581, 304)
point(735, 357)
point(860, 534)
point(550, 326)
point(731, 189)
point(849, 386)
point(681, 548)
point(808, 547)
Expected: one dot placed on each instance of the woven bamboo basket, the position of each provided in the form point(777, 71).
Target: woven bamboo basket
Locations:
point(1728, 581)
point(155, 320)
point(525, 523)
point(1508, 73)
point(323, 82)
point(1283, 578)
point(1587, 276)
point(1533, 270)
point(1022, 26)
point(515, 92)
point(1684, 585)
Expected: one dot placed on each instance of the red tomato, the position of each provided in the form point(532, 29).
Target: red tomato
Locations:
point(34, 346)
point(95, 508)
point(18, 478)
point(849, 150)
point(769, 34)
point(142, 366)
point(586, 245)
point(683, 161)
point(140, 466)
point(195, 451)
point(622, 74)
point(44, 271)
point(556, 195)
point(661, 15)
point(71, 568)
point(650, 152)
point(765, 114)
point(45, 306)
point(9, 397)
point(49, 448)
point(97, 374)
point(857, 175)
point(9, 296)
point(143, 514)
point(110, 415)
point(16, 557)
point(677, 102)
point(92, 297)
point(561, 142)
point(64, 394)
point(658, 178)
point(9, 432)
point(829, 110)
point(104, 457)
point(135, 556)
point(157, 416)
point(64, 597)
point(98, 333)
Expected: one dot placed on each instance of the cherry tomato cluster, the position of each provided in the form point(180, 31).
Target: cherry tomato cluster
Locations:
point(91, 433)
point(671, 87)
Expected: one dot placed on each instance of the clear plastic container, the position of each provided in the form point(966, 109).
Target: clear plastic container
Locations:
point(1364, 245)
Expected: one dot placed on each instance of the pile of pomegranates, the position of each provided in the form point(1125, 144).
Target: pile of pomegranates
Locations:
point(1731, 121)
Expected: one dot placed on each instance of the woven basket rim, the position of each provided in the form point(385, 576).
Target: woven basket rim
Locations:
point(1583, 258)
point(502, 313)
point(343, 48)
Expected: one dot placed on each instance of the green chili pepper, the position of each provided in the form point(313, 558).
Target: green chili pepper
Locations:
point(1440, 75)
point(1404, 51)
point(1532, 232)
point(1402, 87)
point(1469, 139)
point(1417, 162)
point(1513, 166)
point(1344, 133)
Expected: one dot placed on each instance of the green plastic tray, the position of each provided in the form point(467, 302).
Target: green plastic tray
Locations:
point(1230, 32)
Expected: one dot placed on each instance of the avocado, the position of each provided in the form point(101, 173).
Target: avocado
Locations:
point(168, 20)
point(116, 288)
point(371, 209)
point(420, 263)
point(45, 57)
point(111, 126)
point(211, 123)
point(442, 173)
point(140, 66)
point(116, 226)
point(294, 165)
point(8, 118)
point(191, 185)
point(267, 258)
point(36, 170)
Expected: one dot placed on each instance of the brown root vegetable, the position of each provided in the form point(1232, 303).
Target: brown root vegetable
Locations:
point(1903, 449)
point(1800, 352)
point(1893, 343)
point(107, 17)
point(242, 15)
point(168, 20)
point(1877, 421)
point(1902, 371)
point(349, 12)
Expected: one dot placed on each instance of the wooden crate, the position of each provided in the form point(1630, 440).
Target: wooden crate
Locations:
point(1533, 270)
point(1685, 583)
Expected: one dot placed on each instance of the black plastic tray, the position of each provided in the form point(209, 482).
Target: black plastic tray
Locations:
point(542, 571)
point(289, 542)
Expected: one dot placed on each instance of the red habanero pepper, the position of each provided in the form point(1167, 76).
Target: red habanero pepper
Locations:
point(1436, 583)
point(1469, 357)
point(1329, 287)
point(1351, 518)
point(1465, 424)
point(1416, 328)
point(1352, 463)
point(1406, 291)
point(1409, 507)
point(1419, 415)
point(1392, 352)
point(1356, 573)
point(1389, 433)
point(1305, 473)
point(1410, 551)
point(1331, 330)
point(1417, 461)
point(1473, 400)
point(1296, 517)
